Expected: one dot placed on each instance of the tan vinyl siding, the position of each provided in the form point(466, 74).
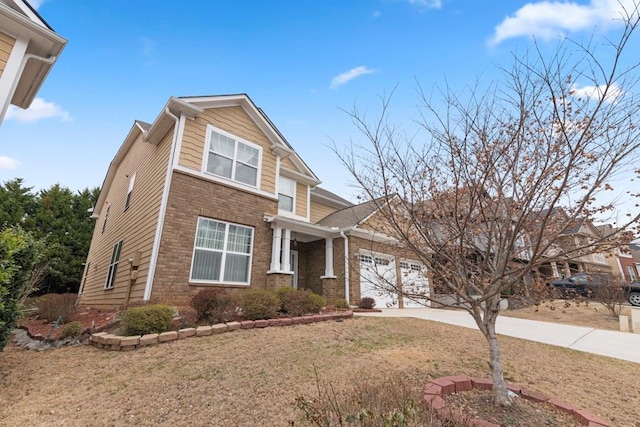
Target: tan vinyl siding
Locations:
point(319, 211)
point(287, 163)
point(136, 225)
point(235, 121)
point(6, 45)
point(301, 199)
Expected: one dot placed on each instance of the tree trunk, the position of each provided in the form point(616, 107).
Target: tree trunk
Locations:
point(500, 392)
point(486, 321)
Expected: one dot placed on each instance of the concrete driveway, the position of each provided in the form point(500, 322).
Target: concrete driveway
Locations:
point(619, 345)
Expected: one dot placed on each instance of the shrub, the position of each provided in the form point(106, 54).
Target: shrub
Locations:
point(394, 400)
point(367, 303)
point(71, 330)
point(188, 317)
point(214, 305)
point(260, 304)
point(342, 304)
point(299, 302)
point(54, 306)
point(148, 319)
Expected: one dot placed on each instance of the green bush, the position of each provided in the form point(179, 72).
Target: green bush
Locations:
point(342, 304)
point(260, 304)
point(54, 306)
point(71, 330)
point(299, 302)
point(148, 319)
point(214, 305)
point(21, 255)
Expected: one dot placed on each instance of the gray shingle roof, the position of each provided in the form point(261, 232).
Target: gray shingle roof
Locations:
point(352, 215)
point(329, 195)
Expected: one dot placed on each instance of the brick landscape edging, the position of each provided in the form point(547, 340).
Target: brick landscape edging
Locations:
point(435, 389)
point(106, 341)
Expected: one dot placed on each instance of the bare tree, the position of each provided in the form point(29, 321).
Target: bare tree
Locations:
point(482, 194)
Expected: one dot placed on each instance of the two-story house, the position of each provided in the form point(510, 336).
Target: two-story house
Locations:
point(212, 195)
point(28, 49)
point(570, 254)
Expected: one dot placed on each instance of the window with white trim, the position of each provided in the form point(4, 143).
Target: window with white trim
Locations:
point(222, 252)
point(232, 159)
point(106, 217)
point(113, 265)
point(598, 257)
point(127, 201)
point(631, 272)
point(286, 194)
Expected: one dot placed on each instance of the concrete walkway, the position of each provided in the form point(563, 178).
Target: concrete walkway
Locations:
point(619, 345)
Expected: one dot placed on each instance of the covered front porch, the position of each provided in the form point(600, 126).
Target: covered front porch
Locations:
point(308, 256)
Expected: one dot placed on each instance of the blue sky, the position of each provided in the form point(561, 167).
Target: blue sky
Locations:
point(300, 61)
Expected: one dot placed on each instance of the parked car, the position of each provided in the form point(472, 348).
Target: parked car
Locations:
point(581, 284)
point(632, 291)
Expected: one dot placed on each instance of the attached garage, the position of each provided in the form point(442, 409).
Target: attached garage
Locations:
point(379, 280)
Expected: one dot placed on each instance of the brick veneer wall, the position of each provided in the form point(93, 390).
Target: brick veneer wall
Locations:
point(189, 198)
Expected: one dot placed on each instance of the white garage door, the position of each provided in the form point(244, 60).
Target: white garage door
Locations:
point(414, 282)
point(377, 273)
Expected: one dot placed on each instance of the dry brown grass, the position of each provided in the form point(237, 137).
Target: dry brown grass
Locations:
point(588, 314)
point(251, 377)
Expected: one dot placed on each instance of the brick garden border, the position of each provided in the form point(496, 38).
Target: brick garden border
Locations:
point(435, 389)
point(106, 341)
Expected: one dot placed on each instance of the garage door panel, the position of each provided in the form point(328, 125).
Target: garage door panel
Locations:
point(414, 283)
point(378, 279)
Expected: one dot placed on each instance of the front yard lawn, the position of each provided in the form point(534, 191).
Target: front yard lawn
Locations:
point(252, 377)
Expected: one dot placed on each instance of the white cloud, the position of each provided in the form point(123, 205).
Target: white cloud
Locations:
point(350, 75)
point(431, 4)
point(596, 92)
point(547, 19)
point(8, 163)
point(39, 109)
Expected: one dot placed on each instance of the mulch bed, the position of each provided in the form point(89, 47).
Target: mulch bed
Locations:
point(95, 319)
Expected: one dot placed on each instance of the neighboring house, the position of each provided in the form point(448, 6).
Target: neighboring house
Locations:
point(620, 257)
point(212, 195)
point(28, 49)
point(568, 259)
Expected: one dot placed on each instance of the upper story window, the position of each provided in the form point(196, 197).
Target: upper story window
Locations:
point(127, 201)
point(106, 217)
point(286, 194)
point(233, 159)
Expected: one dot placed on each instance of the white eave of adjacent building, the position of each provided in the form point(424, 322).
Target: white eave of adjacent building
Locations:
point(43, 47)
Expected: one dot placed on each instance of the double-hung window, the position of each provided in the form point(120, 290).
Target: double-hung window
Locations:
point(286, 194)
point(127, 201)
point(222, 252)
point(233, 159)
point(113, 265)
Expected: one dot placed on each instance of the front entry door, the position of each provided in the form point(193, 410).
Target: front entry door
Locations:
point(294, 267)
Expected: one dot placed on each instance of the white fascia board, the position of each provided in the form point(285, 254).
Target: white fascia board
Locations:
point(299, 177)
point(164, 121)
point(133, 134)
point(305, 227)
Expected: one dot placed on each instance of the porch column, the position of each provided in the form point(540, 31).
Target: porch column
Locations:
point(286, 250)
point(328, 258)
point(275, 249)
point(567, 270)
point(554, 269)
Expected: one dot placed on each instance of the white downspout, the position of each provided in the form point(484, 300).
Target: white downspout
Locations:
point(346, 266)
point(163, 209)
